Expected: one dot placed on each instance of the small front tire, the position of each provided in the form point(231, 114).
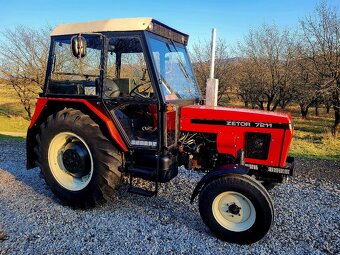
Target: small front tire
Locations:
point(236, 208)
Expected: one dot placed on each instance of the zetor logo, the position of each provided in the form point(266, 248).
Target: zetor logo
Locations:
point(235, 123)
point(249, 124)
point(238, 123)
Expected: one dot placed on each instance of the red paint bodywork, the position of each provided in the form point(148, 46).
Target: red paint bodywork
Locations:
point(229, 138)
point(232, 138)
point(41, 102)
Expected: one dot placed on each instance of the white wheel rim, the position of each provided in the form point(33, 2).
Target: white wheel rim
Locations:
point(60, 174)
point(241, 221)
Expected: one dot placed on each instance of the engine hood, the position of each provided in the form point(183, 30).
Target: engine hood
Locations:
point(238, 117)
point(235, 129)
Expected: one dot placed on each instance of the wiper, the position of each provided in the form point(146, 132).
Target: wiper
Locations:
point(167, 86)
point(180, 63)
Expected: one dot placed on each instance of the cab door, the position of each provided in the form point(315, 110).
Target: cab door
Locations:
point(129, 94)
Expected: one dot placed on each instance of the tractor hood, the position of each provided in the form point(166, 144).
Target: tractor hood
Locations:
point(237, 129)
point(195, 116)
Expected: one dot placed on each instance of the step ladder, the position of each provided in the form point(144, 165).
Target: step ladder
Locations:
point(136, 173)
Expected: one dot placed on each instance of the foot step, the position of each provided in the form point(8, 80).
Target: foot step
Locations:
point(142, 192)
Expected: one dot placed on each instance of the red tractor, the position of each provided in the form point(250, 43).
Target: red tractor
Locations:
point(121, 99)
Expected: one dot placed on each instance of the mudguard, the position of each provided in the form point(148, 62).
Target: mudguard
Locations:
point(40, 115)
point(221, 171)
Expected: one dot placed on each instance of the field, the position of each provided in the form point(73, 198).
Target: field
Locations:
point(312, 138)
point(12, 114)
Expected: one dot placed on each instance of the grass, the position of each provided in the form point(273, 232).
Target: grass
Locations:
point(10, 137)
point(312, 138)
point(13, 124)
point(11, 111)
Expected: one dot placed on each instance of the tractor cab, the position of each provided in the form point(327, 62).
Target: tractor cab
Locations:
point(138, 73)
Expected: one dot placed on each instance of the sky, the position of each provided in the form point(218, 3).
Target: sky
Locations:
point(232, 18)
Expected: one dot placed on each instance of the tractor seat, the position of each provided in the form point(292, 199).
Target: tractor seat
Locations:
point(111, 88)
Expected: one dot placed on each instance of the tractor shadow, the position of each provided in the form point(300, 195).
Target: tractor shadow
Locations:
point(170, 207)
point(31, 180)
point(12, 162)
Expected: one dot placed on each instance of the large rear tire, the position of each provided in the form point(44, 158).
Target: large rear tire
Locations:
point(236, 208)
point(77, 161)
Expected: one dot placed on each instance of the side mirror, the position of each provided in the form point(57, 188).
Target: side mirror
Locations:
point(78, 46)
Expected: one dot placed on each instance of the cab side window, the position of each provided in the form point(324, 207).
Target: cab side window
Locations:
point(76, 76)
point(127, 68)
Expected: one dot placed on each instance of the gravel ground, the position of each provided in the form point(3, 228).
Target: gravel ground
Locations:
point(32, 220)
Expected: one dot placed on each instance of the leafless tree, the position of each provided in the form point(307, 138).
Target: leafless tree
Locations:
point(308, 85)
point(268, 61)
point(23, 60)
point(321, 33)
point(250, 84)
point(224, 68)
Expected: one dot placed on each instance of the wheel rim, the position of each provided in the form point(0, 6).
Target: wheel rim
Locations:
point(234, 211)
point(65, 178)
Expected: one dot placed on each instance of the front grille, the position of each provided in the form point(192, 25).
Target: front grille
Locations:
point(257, 145)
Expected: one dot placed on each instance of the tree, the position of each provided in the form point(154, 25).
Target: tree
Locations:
point(308, 85)
point(23, 61)
point(321, 33)
point(201, 55)
point(267, 68)
point(250, 84)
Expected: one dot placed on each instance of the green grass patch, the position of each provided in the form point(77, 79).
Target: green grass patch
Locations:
point(12, 113)
point(9, 137)
point(13, 124)
point(312, 149)
point(312, 137)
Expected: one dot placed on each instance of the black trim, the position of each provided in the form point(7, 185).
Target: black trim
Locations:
point(240, 123)
point(168, 32)
point(282, 143)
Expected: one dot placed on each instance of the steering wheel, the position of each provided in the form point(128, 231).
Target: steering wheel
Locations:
point(135, 92)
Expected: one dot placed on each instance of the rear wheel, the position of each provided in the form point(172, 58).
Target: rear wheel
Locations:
point(77, 161)
point(236, 208)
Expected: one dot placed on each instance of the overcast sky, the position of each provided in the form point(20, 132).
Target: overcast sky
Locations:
point(231, 18)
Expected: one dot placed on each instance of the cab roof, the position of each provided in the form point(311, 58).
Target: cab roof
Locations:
point(120, 25)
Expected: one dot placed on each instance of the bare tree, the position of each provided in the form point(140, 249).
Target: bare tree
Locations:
point(250, 84)
point(23, 60)
point(321, 33)
point(308, 85)
point(201, 55)
point(268, 55)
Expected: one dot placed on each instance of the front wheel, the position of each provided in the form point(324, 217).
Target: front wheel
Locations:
point(236, 208)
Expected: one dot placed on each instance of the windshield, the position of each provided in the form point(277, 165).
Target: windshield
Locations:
point(174, 71)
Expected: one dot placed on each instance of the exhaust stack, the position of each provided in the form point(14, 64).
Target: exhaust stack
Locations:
point(212, 83)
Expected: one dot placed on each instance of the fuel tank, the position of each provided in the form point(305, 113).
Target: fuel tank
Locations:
point(264, 136)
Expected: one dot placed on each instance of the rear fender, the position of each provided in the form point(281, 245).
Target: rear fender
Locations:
point(222, 171)
point(47, 106)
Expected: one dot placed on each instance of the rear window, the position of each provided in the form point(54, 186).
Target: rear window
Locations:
point(75, 76)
